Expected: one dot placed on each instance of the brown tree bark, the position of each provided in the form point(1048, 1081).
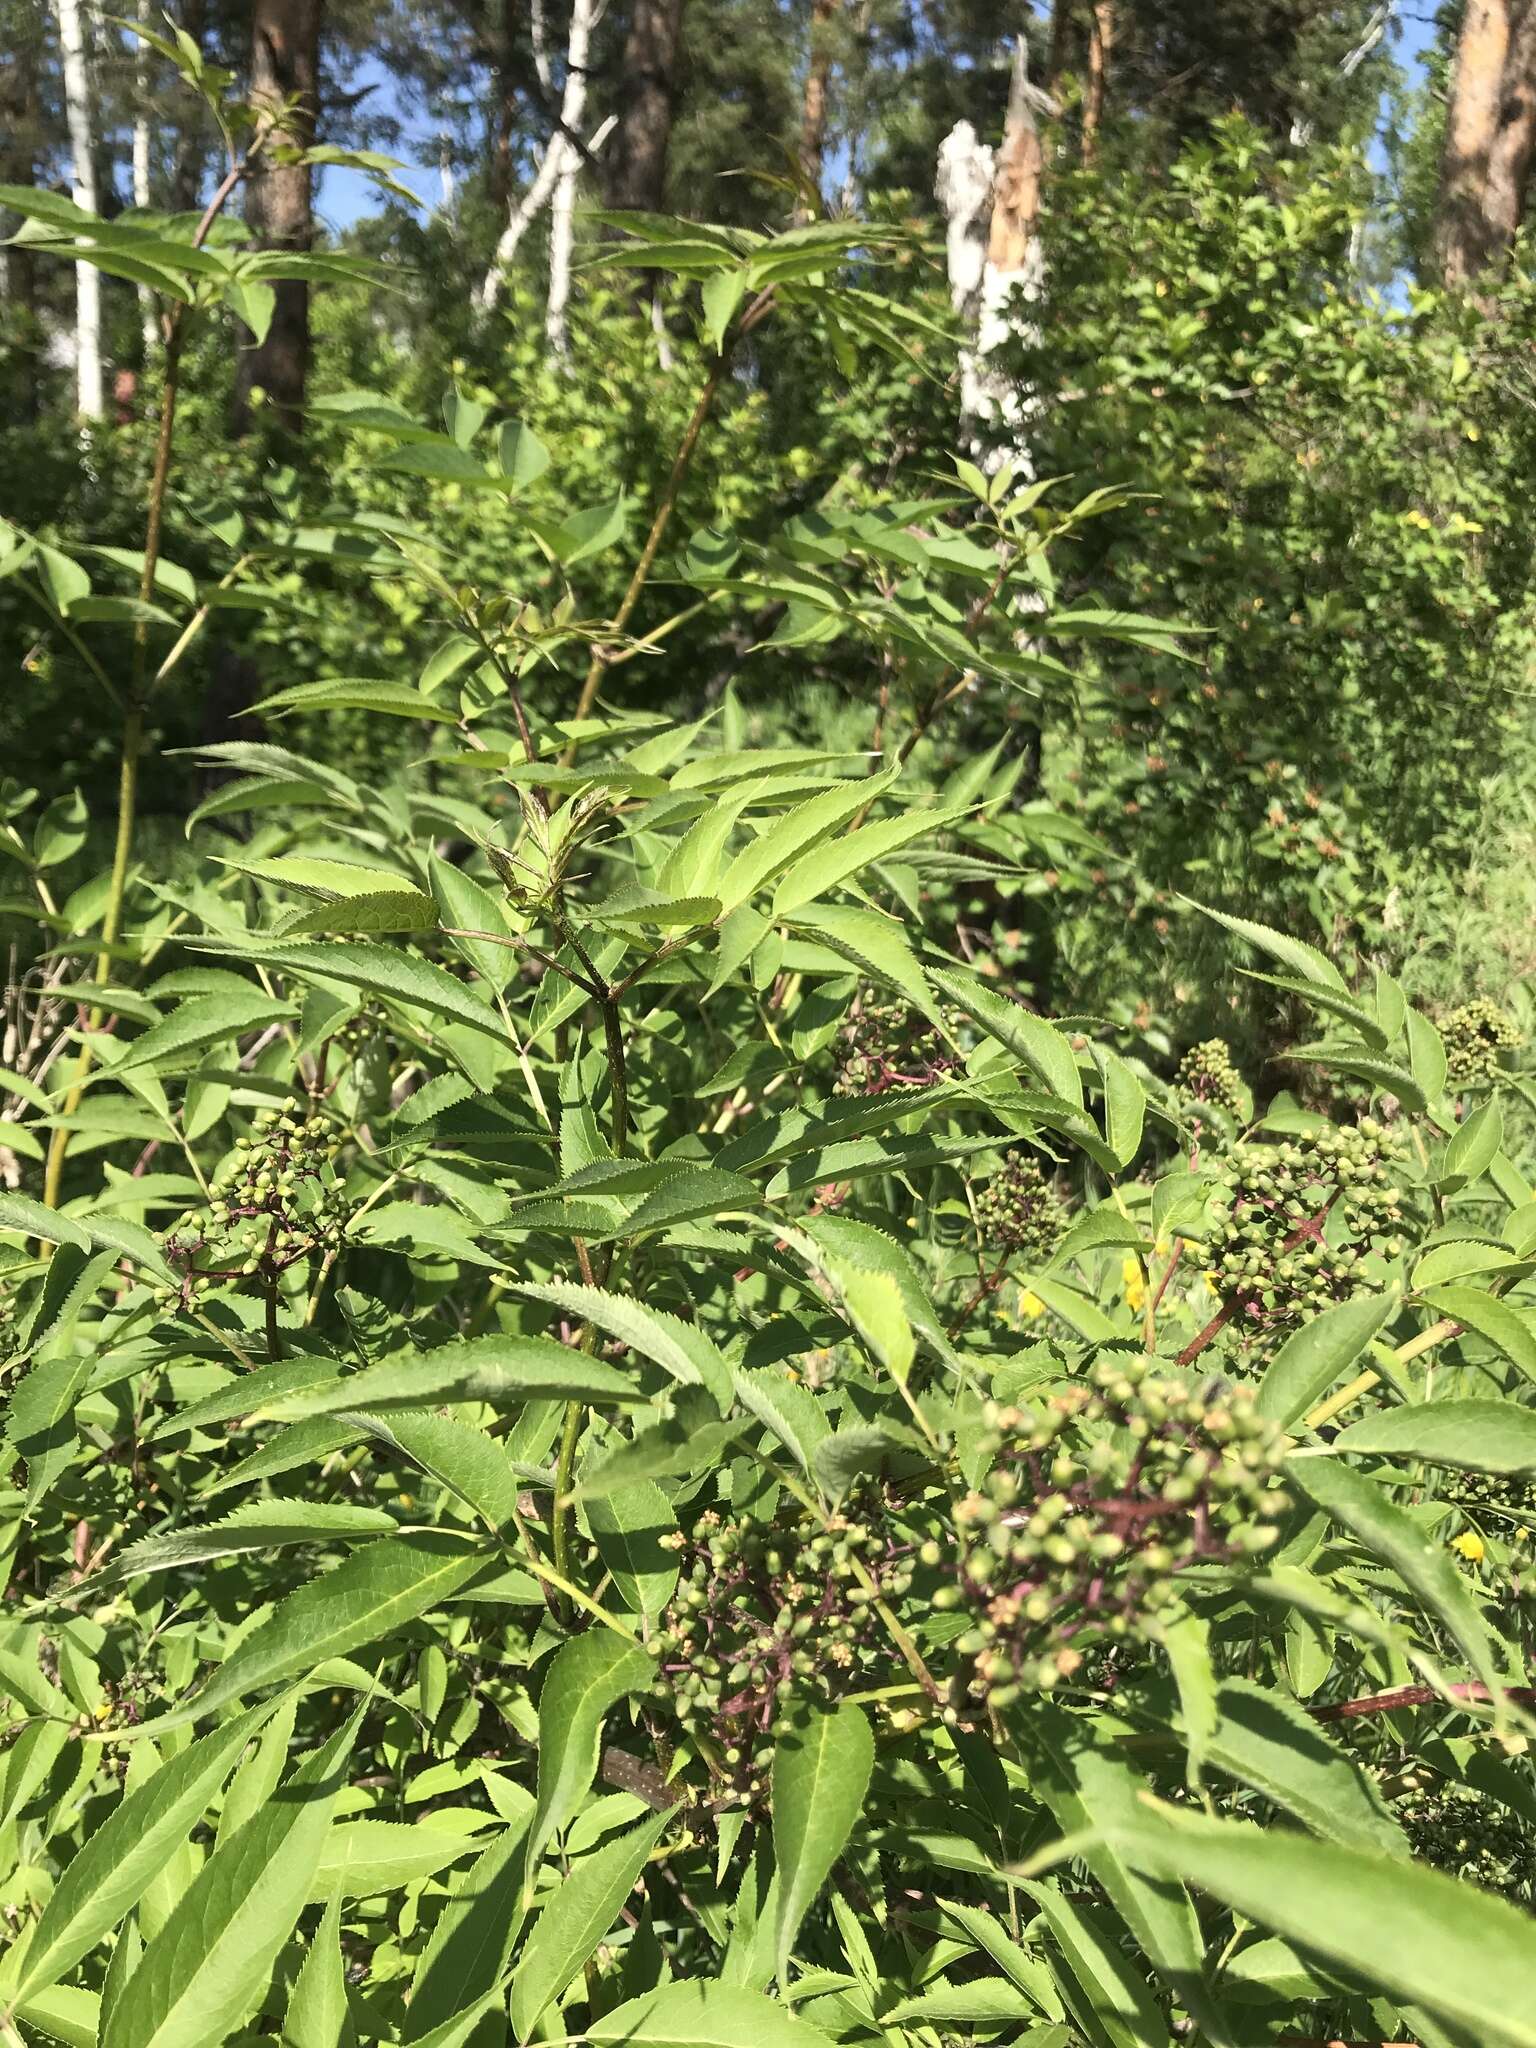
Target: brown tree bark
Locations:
point(1056, 47)
point(285, 63)
point(635, 161)
point(813, 113)
point(1462, 235)
point(1101, 42)
point(1514, 141)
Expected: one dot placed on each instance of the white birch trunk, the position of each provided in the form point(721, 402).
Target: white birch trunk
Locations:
point(141, 167)
point(554, 183)
point(996, 268)
point(73, 47)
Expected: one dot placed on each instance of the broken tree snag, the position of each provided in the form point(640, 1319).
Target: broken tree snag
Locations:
point(991, 206)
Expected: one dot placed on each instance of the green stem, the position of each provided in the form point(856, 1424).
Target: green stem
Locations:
point(561, 1512)
point(618, 1076)
point(681, 464)
point(667, 504)
point(111, 925)
point(133, 711)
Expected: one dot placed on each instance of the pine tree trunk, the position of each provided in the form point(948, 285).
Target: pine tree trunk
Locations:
point(813, 111)
point(285, 65)
point(18, 166)
point(1464, 241)
point(635, 167)
point(1509, 160)
point(562, 205)
point(1101, 42)
point(79, 114)
point(504, 71)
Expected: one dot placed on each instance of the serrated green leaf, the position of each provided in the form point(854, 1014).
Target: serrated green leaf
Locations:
point(369, 1594)
point(317, 2015)
point(501, 1371)
point(464, 1459)
point(126, 1850)
point(1308, 962)
point(1125, 1105)
point(795, 834)
point(356, 693)
point(1468, 1958)
point(1467, 1436)
point(1118, 1998)
point(1475, 1145)
point(821, 1766)
point(703, 2015)
point(679, 1348)
point(1360, 1506)
point(466, 1956)
point(382, 970)
point(1502, 1324)
point(1090, 1790)
point(205, 1971)
point(257, 1525)
point(575, 1920)
point(362, 1857)
point(588, 1675)
point(627, 1525)
point(1040, 1046)
point(1266, 1741)
point(1313, 1357)
point(820, 871)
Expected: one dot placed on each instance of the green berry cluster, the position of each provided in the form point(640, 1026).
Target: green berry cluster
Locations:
point(765, 1614)
point(1019, 1210)
point(360, 1033)
point(1299, 1219)
point(1457, 1829)
point(1096, 1500)
point(273, 1203)
point(1474, 1037)
point(1510, 1495)
point(889, 1045)
point(1207, 1074)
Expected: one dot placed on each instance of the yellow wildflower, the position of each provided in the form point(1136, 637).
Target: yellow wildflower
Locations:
point(1030, 1305)
point(1470, 1544)
point(1134, 1285)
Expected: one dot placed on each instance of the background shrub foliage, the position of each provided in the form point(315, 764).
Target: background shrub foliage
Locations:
point(612, 1436)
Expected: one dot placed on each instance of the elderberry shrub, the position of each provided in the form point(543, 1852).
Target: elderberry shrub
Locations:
point(274, 1203)
point(889, 1045)
point(767, 1614)
point(1474, 1037)
point(1096, 1500)
point(1458, 1829)
point(1300, 1219)
point(1019, 1210)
